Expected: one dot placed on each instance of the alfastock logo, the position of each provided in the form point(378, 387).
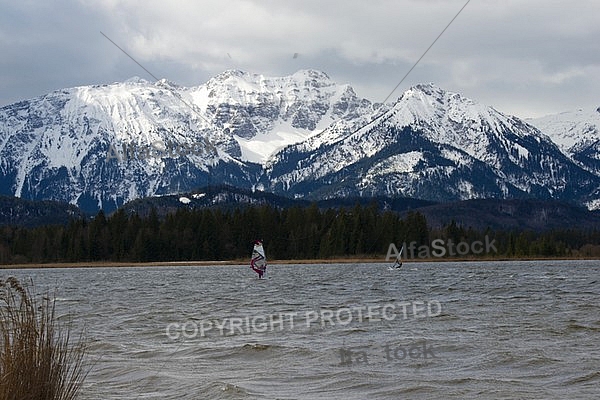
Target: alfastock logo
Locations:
point(441, 248)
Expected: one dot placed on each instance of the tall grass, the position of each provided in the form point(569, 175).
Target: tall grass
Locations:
point(37, 359)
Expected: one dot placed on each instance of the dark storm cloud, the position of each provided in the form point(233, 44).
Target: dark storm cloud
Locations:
point(526, 58)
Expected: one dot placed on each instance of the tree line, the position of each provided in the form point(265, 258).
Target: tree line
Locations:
point(287, 233)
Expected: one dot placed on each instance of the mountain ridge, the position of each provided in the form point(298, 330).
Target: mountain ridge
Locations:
point(301, 135)
point(433, 135)
point(30, 213)
point(62, 145)
point(577, 133)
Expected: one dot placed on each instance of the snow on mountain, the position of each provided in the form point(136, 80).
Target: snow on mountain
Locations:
point(265, 114)
point(571, 130)
point(100, 146)
point(431, 144)
point(301, 135)
point(577, 133)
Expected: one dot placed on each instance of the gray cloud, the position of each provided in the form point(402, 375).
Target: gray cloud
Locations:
point(525, 58)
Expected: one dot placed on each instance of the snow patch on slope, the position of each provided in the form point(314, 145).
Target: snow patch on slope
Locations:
point(571, 130)
point(399, 163)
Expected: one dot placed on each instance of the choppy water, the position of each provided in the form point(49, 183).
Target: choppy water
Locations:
point(505, 330)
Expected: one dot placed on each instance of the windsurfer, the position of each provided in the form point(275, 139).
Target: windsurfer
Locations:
point(259, 261)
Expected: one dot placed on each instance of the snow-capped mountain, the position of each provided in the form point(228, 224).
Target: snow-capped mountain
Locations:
point(100, 146)
point(265, 114)
point(435, 145)
point(94, 146)
point(577, 133)
point(301, 135)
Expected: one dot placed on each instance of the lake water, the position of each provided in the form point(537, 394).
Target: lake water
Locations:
point(493, 330)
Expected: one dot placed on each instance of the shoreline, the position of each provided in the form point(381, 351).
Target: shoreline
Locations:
point(316, 261)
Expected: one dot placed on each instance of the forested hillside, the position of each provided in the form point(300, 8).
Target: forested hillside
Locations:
point(290, 233)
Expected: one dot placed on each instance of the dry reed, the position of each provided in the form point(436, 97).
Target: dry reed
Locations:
point(37, 359)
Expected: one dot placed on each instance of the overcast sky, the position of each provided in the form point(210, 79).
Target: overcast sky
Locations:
point(524, 57)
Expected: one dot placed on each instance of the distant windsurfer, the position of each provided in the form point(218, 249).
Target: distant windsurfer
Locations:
point(259, 261)
point(398, 263)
